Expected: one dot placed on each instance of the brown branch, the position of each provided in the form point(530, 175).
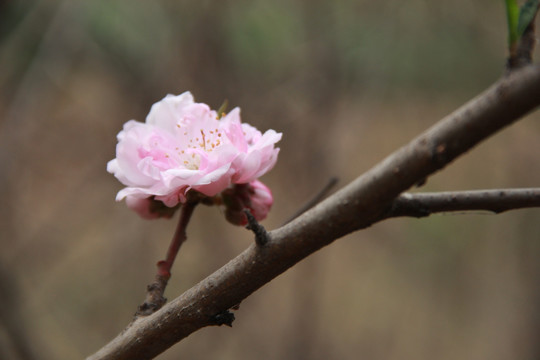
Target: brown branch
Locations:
point(496, 201)
point(356, 206)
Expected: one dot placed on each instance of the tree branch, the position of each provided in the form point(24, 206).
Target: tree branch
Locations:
point(496, 201)
point(358, 205)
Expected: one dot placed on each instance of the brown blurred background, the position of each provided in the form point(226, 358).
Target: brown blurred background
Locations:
point(347, 82)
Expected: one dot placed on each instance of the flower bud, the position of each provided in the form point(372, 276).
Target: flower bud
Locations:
point(254, 196)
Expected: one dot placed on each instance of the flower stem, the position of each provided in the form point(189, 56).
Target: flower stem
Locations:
point(164, 266)
point(154, 292)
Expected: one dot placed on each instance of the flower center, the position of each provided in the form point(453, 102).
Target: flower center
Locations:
point(194, 142)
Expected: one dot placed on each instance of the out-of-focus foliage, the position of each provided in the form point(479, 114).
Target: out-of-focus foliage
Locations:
point(346, 82)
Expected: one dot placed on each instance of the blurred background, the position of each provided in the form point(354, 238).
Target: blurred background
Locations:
point(347, 82)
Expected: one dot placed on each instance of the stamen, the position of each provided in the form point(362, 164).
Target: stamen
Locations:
point(203, 140)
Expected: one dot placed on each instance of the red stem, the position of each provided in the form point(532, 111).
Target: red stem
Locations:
point(164, 266)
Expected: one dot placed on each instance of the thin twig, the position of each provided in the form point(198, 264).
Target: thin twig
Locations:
point(261, 235)
point(496, 201)
point(358, 205)
point(315, 200)
point(154, 291)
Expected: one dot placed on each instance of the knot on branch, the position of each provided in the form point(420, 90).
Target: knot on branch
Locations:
point(223, 318)
point(439, 154)
point(154, 297)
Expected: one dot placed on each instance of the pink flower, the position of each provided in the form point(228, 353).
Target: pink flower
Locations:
point(255, 196)
point(184, 146)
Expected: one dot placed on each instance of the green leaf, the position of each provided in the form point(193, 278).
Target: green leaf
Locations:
point(526, 15)
point(512, 15)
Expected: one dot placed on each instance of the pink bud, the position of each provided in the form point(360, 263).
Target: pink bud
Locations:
point(255, 196)
point(261, 200)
